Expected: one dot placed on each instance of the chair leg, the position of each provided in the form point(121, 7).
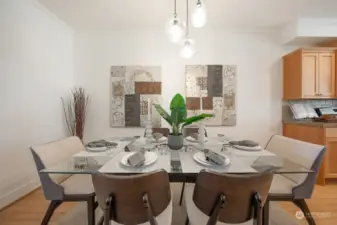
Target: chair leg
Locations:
point(50, 211)
point(101, 221)
point(265, 213)
point(305, 209)
point(91, 210)
point(187, 221)
point(182, 194)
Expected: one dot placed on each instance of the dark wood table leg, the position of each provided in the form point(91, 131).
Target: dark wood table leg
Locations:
point(91, 210)
point(182, 194)
point(265, 219)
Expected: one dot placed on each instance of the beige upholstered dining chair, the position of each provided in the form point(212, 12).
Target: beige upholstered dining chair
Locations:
point(63, 188)
point(222, 198)
point(138, 199)
point(295, 187)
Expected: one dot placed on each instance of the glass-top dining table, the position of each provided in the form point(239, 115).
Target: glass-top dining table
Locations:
point(180, 164)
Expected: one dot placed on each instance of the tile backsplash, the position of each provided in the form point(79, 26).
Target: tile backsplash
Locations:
point(314, 103)
point(287, 114)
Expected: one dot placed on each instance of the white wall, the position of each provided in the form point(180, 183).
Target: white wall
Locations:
point(257, 59)
point(308, 32)
point(36, 69)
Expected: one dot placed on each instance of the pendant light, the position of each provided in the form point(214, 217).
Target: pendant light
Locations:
point(175, 26)
point(199, 16)
point(188, 49)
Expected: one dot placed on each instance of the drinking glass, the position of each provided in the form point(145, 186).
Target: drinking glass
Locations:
point(227, 151)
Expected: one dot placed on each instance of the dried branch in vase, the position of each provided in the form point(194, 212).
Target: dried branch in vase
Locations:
point(75, 111)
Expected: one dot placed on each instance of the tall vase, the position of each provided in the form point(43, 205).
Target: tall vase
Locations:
point(148, 135)
point(79, 118)
point(201, 134)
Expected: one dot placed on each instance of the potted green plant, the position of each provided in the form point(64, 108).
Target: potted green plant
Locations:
point(178, 120)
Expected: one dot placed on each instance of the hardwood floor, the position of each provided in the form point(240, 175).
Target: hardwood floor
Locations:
point(323, 205)
point(30, 209)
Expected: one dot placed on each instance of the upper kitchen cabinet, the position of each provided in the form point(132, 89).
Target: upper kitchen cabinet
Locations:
point(309, 74)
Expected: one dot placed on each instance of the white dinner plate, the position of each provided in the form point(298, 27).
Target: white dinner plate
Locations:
point(246, 148)
point(150, 158)
point(200, 158)
point(161, 140)
point(189, 138)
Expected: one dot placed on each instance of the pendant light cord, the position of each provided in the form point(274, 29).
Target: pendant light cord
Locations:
point(187, 25)
point(175, 7)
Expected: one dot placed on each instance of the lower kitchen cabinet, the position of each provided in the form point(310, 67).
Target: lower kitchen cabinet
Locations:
point(331, 158)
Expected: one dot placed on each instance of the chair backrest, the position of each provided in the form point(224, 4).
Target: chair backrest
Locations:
point(127, 193)
point(163, 130)
point(187, 131)
point(238, 190)
point(50, 154)
point(303, 153)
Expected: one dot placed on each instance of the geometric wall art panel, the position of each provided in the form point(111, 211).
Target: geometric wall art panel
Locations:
point(216, 84)
point(131, 88)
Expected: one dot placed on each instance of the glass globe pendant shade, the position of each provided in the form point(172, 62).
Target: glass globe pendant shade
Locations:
point(188, 49)
point(175, 29)
point(199, 16)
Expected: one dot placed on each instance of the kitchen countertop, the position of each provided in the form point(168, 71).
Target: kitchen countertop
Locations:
point(311, 123)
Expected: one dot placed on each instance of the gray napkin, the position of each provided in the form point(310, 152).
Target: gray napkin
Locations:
point(102, 143)
point(157, 136)
point(137, 159)
point(214, 157)
point(194, 136)
point(247, 143)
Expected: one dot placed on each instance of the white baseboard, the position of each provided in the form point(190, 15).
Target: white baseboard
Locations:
point(18, 193)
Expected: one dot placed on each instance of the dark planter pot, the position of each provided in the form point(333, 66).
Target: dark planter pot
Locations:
point(175, 142)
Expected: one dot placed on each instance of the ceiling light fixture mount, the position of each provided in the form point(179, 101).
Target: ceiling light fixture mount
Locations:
point(188, 49)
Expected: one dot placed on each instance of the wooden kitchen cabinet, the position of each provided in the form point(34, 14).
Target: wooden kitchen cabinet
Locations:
point(331, 156)
point(309, 74)
point(326, 74)
point(321, 136)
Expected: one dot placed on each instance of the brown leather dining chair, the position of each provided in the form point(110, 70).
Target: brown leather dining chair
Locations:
point(137, 199)
point(222, 198)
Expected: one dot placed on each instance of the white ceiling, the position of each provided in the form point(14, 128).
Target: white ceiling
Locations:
point(152, 14)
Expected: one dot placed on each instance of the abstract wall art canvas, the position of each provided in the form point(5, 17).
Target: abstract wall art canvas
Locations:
point(131, 87)
point(216, 84)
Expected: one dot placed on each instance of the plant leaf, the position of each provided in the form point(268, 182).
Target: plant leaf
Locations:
point(163, 113)
point(197, 118)
point(178, 109)
point(177, 101)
